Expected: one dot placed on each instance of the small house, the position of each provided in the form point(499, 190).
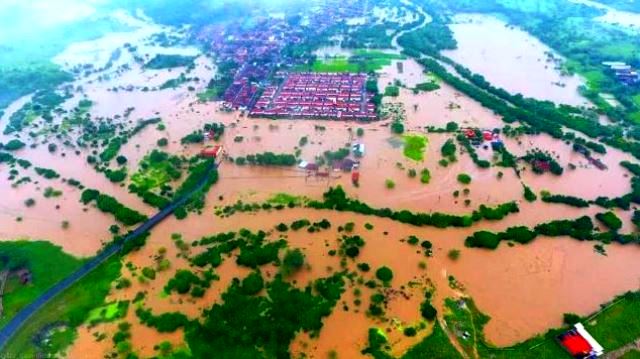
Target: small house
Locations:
point(212, 152)
point(579, 343)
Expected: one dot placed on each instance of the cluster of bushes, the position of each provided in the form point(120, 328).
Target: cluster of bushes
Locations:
point(116, 176)
point(568, 200)
point(464, 141)
point(13, 145)
point(529, 195)
point(427, 86)
point(163, 323)
point(47, 173)
point(267, 159)
point(580, 228)
point(539, 160)
point(108, 204)
point(245, 325)
point(448, 150)
point(336, 199)
point(165, 61)
point(393, 91)
point(185, 281)
point(610, 220)
point(351, 245)
point(112, 149)
point(338, 155)
point(201, 173)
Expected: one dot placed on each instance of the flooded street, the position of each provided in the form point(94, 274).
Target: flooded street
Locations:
point(511, 58)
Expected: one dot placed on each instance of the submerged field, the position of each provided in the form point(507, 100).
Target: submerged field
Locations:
point(444, 229)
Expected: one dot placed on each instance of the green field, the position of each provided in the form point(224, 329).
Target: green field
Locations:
point(47, 263)
point(415, 146)
point(360, 61)
point(71, 308)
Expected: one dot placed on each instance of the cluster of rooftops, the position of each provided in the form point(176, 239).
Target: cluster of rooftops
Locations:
point(317, 95)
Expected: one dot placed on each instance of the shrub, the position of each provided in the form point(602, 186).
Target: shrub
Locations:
point(410, 331)
point(282, 227)
point(14, 145)
point(529, 195)
point(149, 272)
point(162, 142)
point(427, 311)
point(454, 254)
point(397, 127)
point(360, 132)
point(464, 178)
point(483, 239)
point(571, 318)
point(252, 284)
point(30, 202)
point(389, 184)
point(425, 176)
point(610, 220)
point(352, 252)
point(121, 160)
point(385, 274)
point(293, 260)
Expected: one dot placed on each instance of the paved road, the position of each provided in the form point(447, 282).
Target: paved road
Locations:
point(18, 321)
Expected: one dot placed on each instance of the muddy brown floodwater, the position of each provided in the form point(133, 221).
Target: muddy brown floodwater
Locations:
point(525, 289)
point(552, 276)
point(510, 59)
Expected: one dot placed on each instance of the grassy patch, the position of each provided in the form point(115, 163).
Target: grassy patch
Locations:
point(71, 307)
point(47, 263)
point(436, 345)
point(285, 198)
point(615, 327)
point(414, 147)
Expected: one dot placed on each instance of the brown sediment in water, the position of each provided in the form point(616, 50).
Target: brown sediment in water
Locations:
point(509, 59)
point(550, 275)
point(525, 289)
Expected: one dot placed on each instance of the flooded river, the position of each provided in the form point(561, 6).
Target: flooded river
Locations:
point(512, 59)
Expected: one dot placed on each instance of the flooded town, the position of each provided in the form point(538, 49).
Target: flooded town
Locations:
point(323, 179)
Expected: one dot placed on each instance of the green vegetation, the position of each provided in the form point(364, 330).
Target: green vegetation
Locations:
point(38, 259)
point(580, 228)
point(72, 308)
point(389, 184)
point(13, 145)
point(436, 345)
point(153, 180)
point(249, 326)
point(366, 61)
point(568, 200)
point(464, 141)
point(529, 195)
point(267, 159)
point(427, 86)
point(415, 146)
point(108, 204)
point(384, 274)
point(464, 178)
point(448, 150)
point(162, 61)
point(336, 199)
point(47, 173)
point(392, 91)
point(610, 220)
point(425, 176)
